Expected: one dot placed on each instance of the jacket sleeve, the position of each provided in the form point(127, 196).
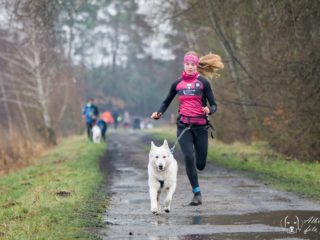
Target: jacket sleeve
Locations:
point(210, 97)
point(96, 111)
point(172, 93)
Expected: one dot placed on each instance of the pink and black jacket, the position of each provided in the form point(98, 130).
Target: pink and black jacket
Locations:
point(193, 96)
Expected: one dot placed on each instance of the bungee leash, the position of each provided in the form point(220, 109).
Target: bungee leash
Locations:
point(184, 130)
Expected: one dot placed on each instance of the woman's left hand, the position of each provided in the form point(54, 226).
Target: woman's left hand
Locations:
point(206, 110)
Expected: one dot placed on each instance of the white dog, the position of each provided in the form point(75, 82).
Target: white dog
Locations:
point(96, 134)
point(162, 176)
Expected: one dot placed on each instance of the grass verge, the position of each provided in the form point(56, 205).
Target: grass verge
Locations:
point(259, 161)
point(58, 197)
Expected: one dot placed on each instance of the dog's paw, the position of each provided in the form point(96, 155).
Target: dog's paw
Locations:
point(167, 204)
point(155, 210)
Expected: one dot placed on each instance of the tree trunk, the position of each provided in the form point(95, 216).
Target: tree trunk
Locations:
point(6, 107)
point(24, 117)
point(244, 98)
point(43, 98)
point(25, 121)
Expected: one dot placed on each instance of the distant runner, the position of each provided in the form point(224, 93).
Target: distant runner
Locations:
point(90, 113)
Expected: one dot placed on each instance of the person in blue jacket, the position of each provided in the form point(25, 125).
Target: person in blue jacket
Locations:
point(90, 113)
point(103, 126)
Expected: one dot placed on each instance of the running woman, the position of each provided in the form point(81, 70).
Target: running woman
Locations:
point(194, 91)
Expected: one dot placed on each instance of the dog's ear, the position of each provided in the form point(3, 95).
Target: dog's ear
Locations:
point(165, 143)
point(152, 145)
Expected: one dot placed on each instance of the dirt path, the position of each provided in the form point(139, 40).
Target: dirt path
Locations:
point(234, 207)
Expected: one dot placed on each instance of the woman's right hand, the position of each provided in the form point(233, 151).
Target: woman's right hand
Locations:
point(156, 115)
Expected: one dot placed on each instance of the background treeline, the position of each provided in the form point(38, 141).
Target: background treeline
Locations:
point(56, 54)
point(38, 91)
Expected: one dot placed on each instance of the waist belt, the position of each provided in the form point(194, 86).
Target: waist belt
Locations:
point(192, 126)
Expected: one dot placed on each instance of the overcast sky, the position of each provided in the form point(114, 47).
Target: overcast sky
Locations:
point(149, 8)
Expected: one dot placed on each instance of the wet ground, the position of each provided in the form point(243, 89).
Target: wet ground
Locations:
point(234, 206)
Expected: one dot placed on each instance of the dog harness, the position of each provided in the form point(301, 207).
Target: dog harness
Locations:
point(161, 183)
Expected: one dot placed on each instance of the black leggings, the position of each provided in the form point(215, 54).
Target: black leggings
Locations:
point(194, 143)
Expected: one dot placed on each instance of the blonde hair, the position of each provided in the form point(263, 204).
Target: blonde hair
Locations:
point(208, 64)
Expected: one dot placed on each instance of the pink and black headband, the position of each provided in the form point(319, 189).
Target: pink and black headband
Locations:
point(191, 58)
